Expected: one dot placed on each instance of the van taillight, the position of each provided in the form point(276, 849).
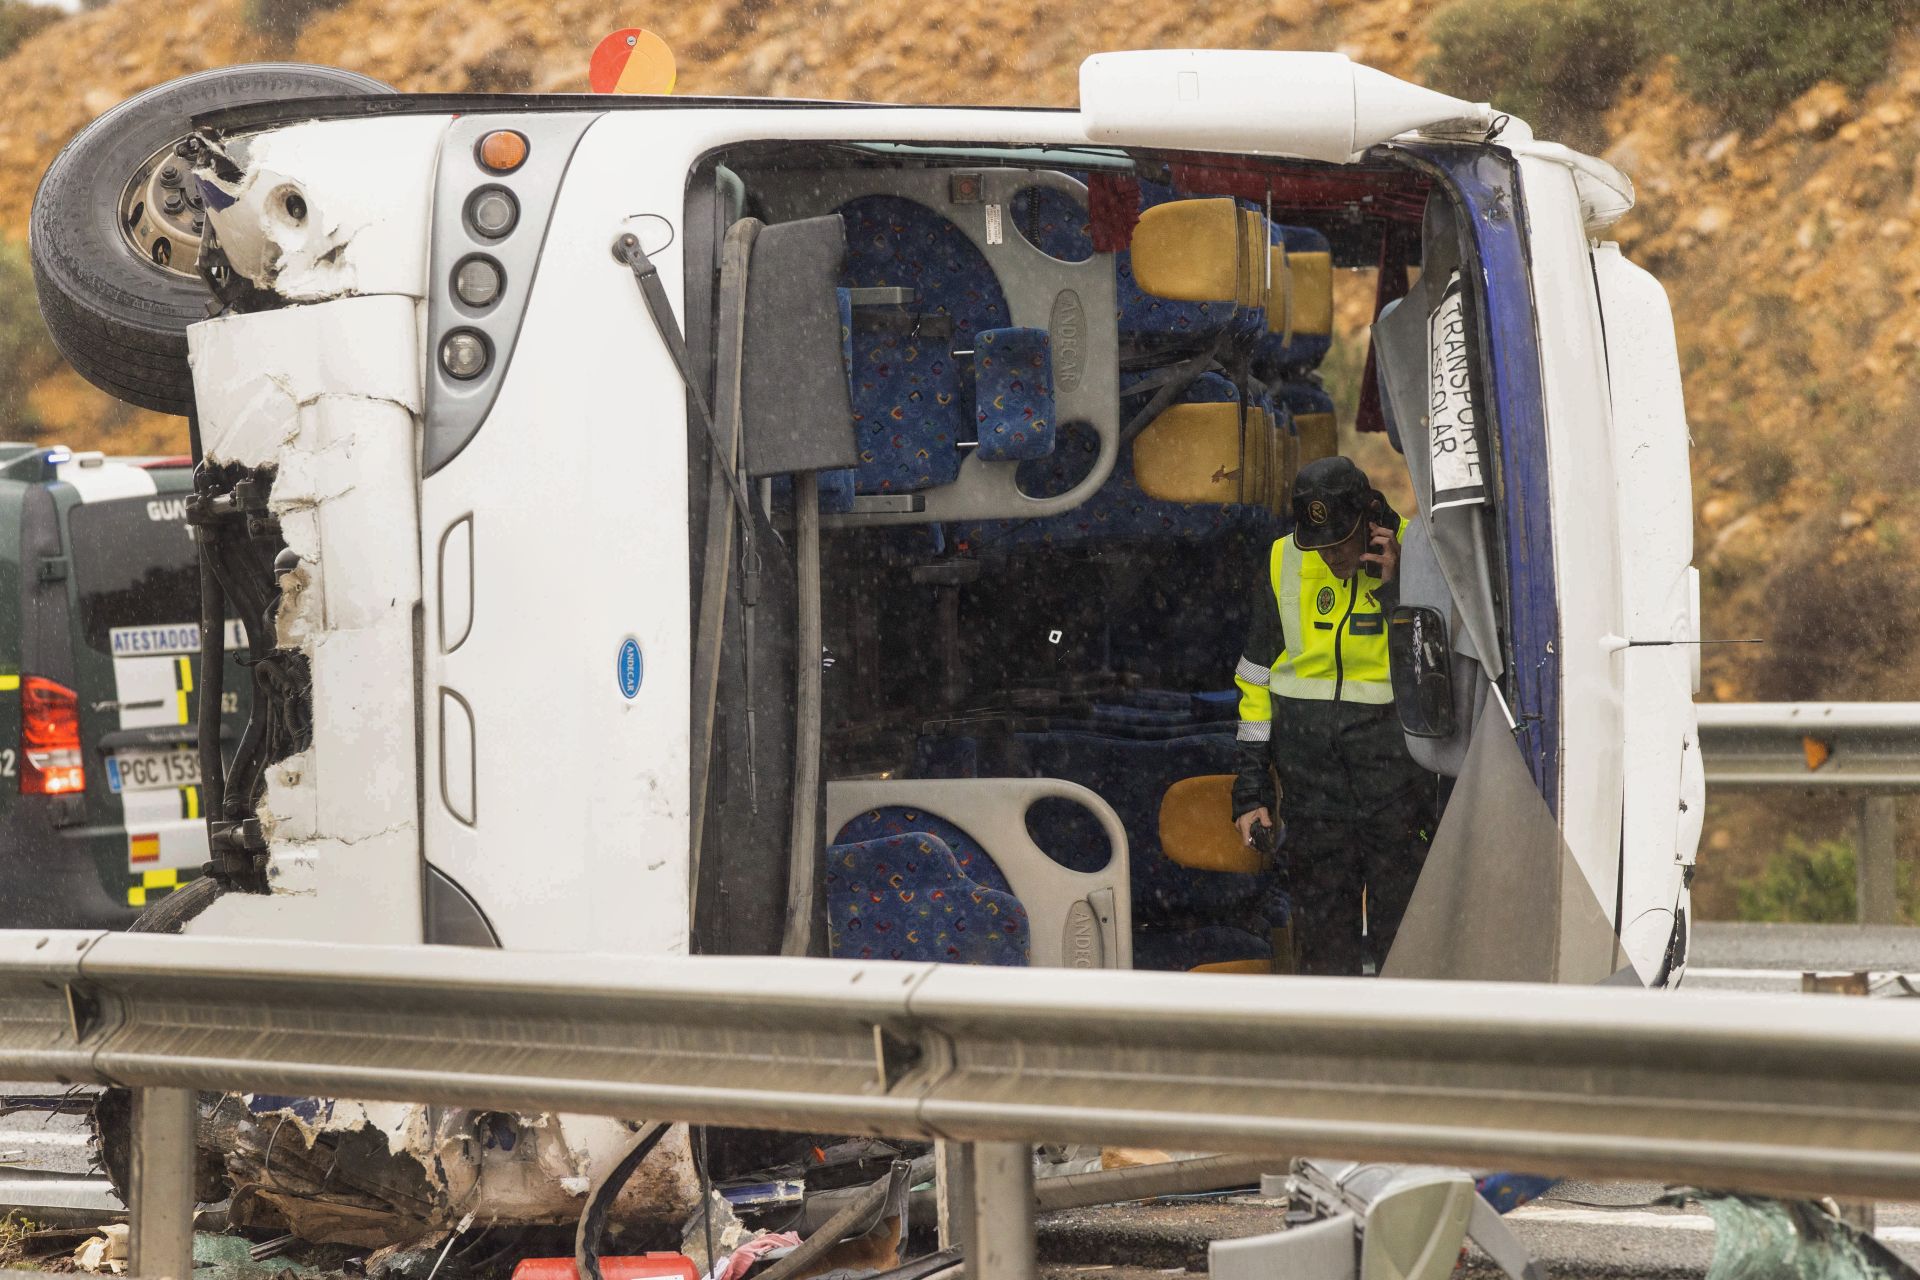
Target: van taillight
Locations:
point(51, 763)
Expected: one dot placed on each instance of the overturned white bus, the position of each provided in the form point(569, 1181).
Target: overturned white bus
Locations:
point(674, 524)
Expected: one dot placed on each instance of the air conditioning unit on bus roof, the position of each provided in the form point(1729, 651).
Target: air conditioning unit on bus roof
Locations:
point(1320, 106)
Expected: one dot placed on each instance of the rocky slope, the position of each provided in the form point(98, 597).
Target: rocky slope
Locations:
point(1791, 254)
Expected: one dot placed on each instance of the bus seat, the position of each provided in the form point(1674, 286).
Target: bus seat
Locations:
point(1209, 949)
point(1133, 774)
point(1124, 510)
point(1187, 274)
point(1075, 918)
point(1298, 304)
point(1312, 411)
point(894, 820)
point(912, 396)
point(1054, 222)
point(1013, 394)
point(1213, 452)
point(1197, 828)
point(894, 242)
point(1182, 916)
point(905, 897)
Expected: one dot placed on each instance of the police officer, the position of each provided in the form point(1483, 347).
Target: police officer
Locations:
point(1316, 701)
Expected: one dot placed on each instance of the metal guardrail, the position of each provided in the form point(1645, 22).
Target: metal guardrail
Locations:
point(1814, 1096)
point(1829, 745)
point(1867, 749)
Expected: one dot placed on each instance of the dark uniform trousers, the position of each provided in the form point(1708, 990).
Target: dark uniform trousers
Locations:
point(1359, 815)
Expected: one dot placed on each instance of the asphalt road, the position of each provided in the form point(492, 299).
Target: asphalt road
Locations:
point(1771, 957)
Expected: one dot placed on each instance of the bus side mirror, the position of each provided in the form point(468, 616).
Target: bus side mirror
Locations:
point(1421, 661)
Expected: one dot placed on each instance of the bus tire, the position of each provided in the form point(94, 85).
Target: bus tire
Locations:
point(119, 318)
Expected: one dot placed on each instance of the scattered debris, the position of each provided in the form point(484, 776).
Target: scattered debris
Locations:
point(1760, 1239)
point(105, 1252)
point(716, 1223)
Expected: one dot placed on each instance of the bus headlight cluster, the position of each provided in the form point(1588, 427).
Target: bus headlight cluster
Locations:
point(479, 281)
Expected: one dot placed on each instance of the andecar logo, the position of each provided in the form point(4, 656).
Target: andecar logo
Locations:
point(1068, 329)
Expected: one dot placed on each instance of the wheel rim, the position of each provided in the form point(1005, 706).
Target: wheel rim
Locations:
point(161, 214)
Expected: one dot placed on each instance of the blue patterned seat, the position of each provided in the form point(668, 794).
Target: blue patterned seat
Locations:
point(1054, 223)
point(896, 820)
point(1013, 394)
point(909, 412)
point(904, 897)
point(914, 400)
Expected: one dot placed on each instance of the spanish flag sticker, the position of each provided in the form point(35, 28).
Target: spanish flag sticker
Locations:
point(144, 848)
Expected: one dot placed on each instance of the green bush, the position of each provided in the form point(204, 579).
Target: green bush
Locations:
point(1558, 64)
point(1803, 884)
point(1815, 884)
point(1746, 59)
point(20, 19)
point(284, 19)
point(27, 352)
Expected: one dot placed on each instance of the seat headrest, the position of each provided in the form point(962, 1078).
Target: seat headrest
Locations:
point(1190, 251)
point(1013, 394)
point(1197, 829)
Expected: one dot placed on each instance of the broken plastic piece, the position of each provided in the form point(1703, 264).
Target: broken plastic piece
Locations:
point(646, 1266)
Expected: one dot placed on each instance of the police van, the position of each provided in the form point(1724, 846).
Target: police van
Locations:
point(817, 528)
point(100, 782)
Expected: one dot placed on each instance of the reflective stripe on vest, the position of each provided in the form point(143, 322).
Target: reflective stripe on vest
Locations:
point(1336, 632)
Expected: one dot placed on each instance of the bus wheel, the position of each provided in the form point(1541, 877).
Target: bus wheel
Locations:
point(116, 229)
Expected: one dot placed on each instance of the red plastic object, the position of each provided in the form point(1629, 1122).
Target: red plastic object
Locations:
point(646, 1266)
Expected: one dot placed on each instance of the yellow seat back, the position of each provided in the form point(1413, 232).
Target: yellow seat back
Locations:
point(1192, 453)
point(1197, 829)
point(1210, 453)
point(1319, 436)
point(1312, 278)
point(1234, 966)
point(1190, 251)
point(1300, 300)
point(1286, 467)
point(1253, 259)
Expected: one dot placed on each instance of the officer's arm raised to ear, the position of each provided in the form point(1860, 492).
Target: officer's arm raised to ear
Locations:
point(1383, 551)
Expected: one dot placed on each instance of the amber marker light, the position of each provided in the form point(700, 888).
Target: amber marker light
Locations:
point(503, 151)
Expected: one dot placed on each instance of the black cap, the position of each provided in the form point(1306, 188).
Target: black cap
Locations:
point(1329, 501)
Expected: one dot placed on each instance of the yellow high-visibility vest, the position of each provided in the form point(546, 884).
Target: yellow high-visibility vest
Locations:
point(1336, 632)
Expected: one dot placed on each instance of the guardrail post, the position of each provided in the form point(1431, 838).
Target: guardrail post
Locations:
point(1002, 1245)
point(953, 1191)
point(161, 1194)
point(1874, 869)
